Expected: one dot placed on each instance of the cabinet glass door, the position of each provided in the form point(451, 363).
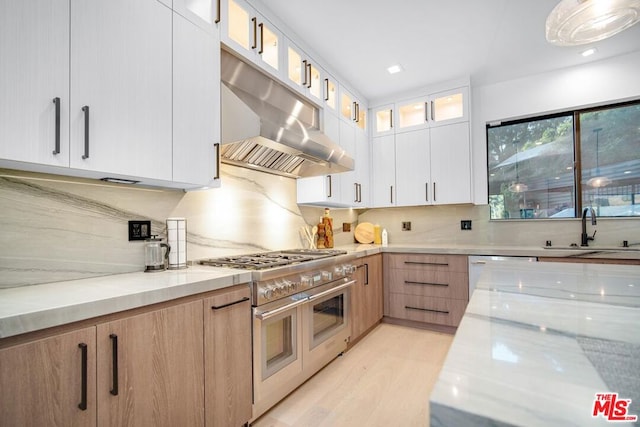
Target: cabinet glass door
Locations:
point(449, 107)
point(238, 25)
point(294, 68)
point(362, 117)
point(330, 91)
point(346, 107)
point(383, 117)
point(315, 83)
point(269, 45)
point(412, 114)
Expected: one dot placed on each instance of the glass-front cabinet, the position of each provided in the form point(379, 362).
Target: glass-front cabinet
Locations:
point(352, 110)
point(438, 109)
point(303, 73)
point(251, 35)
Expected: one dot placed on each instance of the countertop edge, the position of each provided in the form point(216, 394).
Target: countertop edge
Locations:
point(124, 297)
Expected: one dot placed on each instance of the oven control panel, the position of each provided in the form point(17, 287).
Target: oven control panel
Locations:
point(271, 290)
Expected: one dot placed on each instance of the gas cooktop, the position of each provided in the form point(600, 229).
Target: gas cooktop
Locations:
point(264, 260)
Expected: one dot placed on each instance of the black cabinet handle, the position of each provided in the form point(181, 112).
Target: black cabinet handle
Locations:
point(219, 307)
point(426, 191)
point(432, 114)
point(326, 86)
point(309, 66)
point(366, 273)
point(85, 109)
point(426, 263)
point(330, 193)
point(261, 51)
point(409, 282)
point(217, 12)
point(426, 309)
point(426, 112)
point(114, 364)
point(56, 101)
point(255, 32)
point(434, 191)
point(391, 118)
point(391, 193)
point(83, 392)
point(217, 147)
point(304, 67)
point(355, 187)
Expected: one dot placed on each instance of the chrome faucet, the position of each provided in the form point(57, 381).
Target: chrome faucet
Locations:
point(585, 237)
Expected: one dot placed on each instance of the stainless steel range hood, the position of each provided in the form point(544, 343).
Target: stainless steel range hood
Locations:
point(265, 126)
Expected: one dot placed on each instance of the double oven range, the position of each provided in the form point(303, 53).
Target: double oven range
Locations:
point(301, 320)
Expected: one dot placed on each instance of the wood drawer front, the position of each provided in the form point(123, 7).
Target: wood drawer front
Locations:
point(441, 311)
point(442, 284)
point(429, 262)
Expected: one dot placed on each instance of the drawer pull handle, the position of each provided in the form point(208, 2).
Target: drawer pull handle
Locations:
point(219, 307)
point(409, 282)
point(426, 263)
point(83, 370)
point(56, 102)
point(427, 309)
point(114, 364)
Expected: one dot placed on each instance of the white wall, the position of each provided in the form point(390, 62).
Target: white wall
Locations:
point(601, 82)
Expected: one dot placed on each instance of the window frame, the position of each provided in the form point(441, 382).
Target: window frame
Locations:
point(577, 162)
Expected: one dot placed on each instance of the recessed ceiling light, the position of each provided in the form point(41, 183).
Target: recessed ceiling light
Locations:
point(588, 52)
point(395, 69)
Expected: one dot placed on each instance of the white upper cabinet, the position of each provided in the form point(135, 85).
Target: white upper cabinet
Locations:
point(196, 104)
point(450, 162)
point(34, 82)
point(111, 89)
point(437, 109)
point(121, 111)
point(413, 169)
point(204, 13)
point(426, 142)
point(383, 171)
point(248, 33)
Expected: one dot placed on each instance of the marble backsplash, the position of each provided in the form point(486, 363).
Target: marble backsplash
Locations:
point(56, 228)
point(441, 225)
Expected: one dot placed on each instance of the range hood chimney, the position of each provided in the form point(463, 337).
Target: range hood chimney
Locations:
point(267, 127)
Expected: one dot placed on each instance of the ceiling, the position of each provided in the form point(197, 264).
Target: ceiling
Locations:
point(434, 41)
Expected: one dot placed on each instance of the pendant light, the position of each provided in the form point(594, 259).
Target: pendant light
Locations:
point(517, 187)
point(598, 180)
point(577, 22)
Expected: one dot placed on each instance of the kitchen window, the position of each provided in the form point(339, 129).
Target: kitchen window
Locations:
point(543, 167)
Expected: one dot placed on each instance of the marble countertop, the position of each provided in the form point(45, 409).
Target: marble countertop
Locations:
point(502, 250)
point(30, 308)
point(536, 345)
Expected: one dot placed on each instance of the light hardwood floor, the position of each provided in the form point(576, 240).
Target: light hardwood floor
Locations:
point(384, 380)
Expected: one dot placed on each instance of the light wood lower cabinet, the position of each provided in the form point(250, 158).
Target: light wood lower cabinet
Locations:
point(426, 288)
point(227, 349)
point(42, 381)
point(366, 295)
point(181, 363)
point(150, 369)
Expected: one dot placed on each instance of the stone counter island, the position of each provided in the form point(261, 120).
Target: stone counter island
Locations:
point(536, 345)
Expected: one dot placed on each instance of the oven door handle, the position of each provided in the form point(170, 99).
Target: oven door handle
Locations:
point(270, 313)
point(332, 290)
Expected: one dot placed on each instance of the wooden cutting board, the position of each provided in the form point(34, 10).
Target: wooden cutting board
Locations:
point(364, 232)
